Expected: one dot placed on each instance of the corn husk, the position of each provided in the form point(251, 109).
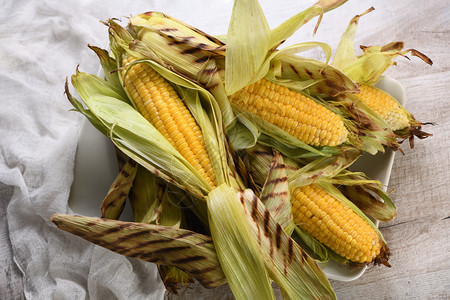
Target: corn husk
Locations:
point(114, 202)
point(109, 66)
point(296, 273)
point(309, 75)
point(151, 202)
point(275, 193)
point(368, 67)
point(154, 202)
point(241, 261)
point(191, 252)
point(175, 280)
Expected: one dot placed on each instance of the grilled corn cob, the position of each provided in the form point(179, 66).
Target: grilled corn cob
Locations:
point(159, 103)
point(335, 224)
point(293, 112)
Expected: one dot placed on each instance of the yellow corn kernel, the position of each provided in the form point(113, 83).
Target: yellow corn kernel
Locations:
point(159, 103)
point(315, 211)
point(385, 106)
point(297, 114)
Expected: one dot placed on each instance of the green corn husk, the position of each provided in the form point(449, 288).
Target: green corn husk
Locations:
point(369, 67)
point(241, 261)
point(191, 252)
point(154, 202)
point(109, 66)
point(174, 279)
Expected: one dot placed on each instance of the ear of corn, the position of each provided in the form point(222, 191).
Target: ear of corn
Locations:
point(185, 49)
point(367, 69)
point(396, 116)
point(367, 194)
point(385, 106)
point(158, 102)
point(293, 112)
point(335, 225)
point(367, 130)
point(133, 134)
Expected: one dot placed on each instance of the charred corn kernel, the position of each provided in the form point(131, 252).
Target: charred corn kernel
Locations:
point(328, 220)
point(385, 106)
point(159, 103)
point(295, 113)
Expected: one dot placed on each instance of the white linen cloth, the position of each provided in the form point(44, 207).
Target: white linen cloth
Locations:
point(41, 43)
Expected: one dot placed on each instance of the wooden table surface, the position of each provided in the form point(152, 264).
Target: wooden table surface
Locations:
point(419, 237)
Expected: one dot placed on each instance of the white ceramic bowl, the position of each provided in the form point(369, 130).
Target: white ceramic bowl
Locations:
point(96, 169)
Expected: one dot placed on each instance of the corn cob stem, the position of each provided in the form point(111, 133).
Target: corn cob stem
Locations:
point(293, 112)
point(159, 103)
